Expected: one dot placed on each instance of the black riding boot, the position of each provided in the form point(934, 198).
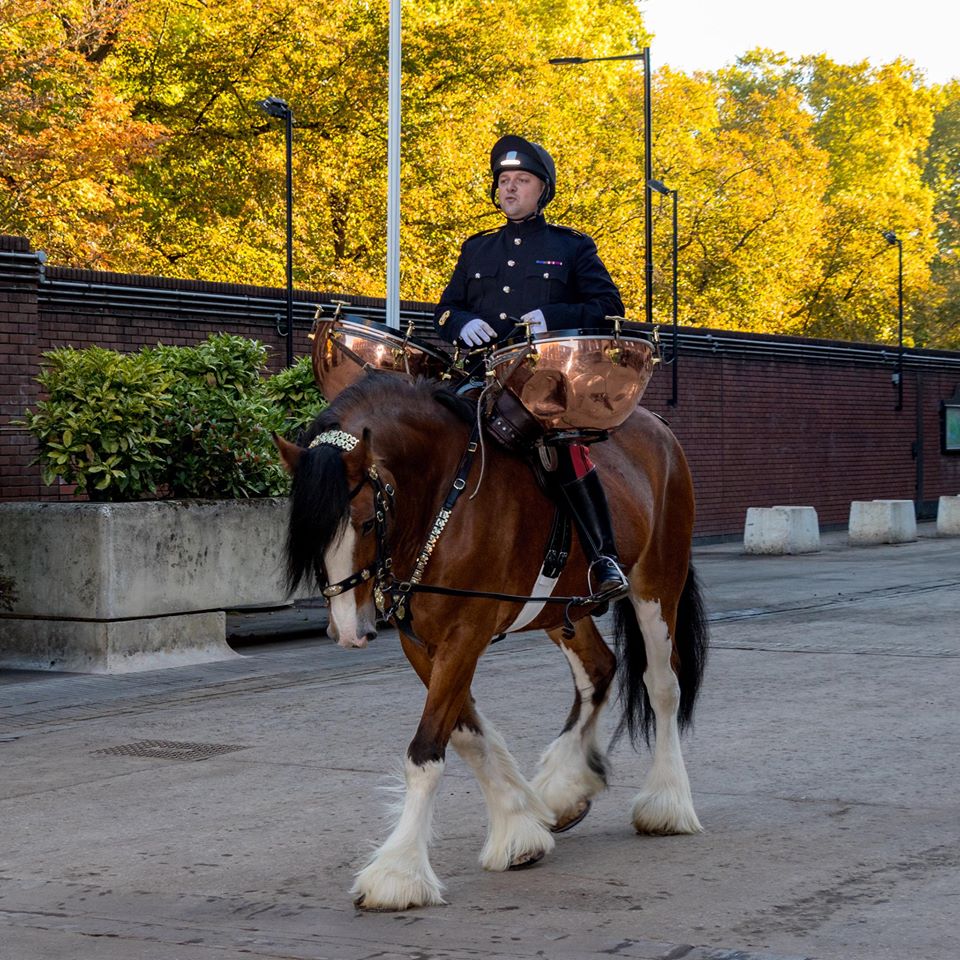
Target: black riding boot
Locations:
point(588, 506)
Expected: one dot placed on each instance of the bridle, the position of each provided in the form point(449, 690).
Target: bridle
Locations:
point(383, 494)
point(389, 593)
point(379, 570)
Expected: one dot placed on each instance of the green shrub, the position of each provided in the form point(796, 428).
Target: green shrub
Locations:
point(168, 421)
point(220, 421)
point(99, 426)
point(296, 393)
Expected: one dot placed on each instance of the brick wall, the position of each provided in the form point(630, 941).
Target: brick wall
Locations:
point(763, 420)
point(815, 432)
point(19, 356)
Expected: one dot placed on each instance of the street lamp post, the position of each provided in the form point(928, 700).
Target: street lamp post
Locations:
point(665, 191)
point(892, 239)
point(280, 109)
point(643, 55)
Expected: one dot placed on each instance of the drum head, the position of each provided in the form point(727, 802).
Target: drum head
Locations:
point(577, 382)
point(346, 348)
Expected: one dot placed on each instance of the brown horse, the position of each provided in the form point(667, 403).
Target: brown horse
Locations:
point(382, 460)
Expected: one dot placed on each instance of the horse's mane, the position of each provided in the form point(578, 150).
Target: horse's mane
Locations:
point(383, 392)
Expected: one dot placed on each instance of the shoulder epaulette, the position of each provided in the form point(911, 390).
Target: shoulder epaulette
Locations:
point(570, 230)
point(485, 233)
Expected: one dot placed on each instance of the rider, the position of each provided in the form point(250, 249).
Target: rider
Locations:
point(552, 278)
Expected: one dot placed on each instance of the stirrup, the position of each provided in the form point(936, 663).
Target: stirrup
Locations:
point(615, 585)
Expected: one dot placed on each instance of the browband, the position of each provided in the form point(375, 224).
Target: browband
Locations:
point(335, 438)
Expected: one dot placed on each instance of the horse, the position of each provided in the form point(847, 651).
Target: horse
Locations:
point(369, 492)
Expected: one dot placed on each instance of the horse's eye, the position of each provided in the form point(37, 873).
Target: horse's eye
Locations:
point(366, 526)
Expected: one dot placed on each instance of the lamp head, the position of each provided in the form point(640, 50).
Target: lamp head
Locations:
point(659, 186)
point(890, 237)
point(275, 107)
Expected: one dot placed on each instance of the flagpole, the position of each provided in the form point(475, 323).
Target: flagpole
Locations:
point(393, 172)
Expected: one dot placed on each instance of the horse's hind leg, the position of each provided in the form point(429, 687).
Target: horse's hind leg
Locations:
point(665, 803)
point(517, 832)
point(573, 769)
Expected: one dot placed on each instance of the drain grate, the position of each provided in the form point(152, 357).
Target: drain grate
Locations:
point(168, 750)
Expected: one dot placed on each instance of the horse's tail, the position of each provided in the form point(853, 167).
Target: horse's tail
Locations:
point(319, 500)
point(690, 644)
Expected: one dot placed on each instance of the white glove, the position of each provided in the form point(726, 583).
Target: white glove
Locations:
point(476, 332)
point(537, 321)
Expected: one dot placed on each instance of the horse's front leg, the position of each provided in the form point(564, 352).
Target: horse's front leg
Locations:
point(399, 875)
point(573, 768)
point(518, 832)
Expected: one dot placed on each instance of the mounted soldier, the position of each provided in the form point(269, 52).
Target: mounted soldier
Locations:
point(551, 278)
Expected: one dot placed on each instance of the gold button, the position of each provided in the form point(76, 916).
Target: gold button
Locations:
point(506, 289)
point(444, 317)
point(511, 263)
point(517, 241)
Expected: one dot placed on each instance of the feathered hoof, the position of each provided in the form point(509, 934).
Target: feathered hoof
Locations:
point(522, 846)
point(570, 820)
point(664, 814)
point(392, 890)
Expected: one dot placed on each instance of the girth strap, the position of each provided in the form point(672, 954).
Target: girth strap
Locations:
point(555, 559)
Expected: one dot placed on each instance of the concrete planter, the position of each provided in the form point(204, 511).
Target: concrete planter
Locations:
point(116, 587)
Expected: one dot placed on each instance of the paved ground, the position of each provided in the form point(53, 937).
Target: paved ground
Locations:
point(824, 765)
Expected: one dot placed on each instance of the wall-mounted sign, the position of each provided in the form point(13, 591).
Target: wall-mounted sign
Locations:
point(950, 423)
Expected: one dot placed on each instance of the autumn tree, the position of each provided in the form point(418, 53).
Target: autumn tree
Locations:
point(938, 314)
point(68, 139)
point(743, 158)
point(875, 124)
point(130, 139)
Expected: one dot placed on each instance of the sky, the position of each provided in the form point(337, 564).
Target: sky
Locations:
point(707, 34)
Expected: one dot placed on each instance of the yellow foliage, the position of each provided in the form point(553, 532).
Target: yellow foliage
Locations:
point(130, 140)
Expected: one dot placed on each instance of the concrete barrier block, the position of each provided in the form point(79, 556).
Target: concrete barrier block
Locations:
point(779, 530)
point(882, 521)
point(948, 517)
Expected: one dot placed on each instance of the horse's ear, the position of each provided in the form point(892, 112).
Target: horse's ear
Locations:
point(290, 453)
point(358, 460)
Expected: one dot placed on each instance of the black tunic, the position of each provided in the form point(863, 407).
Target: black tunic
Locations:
point(534, 265)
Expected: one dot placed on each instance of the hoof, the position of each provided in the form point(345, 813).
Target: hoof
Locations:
point(664, 814)
point(360, 904)
point(526, 860)
point(568, 823)
point(391, 889)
